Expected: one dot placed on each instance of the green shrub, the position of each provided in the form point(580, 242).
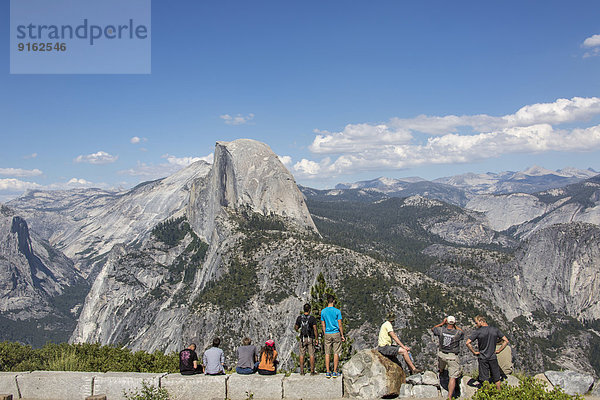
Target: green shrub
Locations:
point(147, 392)
point(528, 389)
point(83, 357)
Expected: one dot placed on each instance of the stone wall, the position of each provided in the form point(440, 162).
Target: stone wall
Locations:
point(50, 385)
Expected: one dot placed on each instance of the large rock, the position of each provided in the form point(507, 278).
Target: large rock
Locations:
point(542, 378)
point(191, 387)
point(572, 382)
point(308, 387)
point(242, 387)
point(56, 385)
point(369, 375)
point(425, 391)
point(116, 384)
point(430, 378)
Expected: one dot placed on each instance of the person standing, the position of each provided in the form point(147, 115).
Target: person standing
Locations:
point(486, 337)
point(188, 361)
point(214, 359)
point(247, 358)
point(331, 322)
point(504, 360)
point(306, 324)
point(450, 336)
point(386, 347)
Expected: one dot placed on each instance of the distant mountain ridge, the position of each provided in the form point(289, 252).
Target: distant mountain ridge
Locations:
point(531, 180)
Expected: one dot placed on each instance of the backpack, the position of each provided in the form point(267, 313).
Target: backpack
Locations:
point(304, 325)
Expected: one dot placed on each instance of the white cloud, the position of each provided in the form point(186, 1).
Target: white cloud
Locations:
point(100, 157)
point(592, 41)
point(357, 138)
point(16, 185)
point(238, 119)
point(20, 173)
point(531, 129)
point(32, 155)
point(308, 168)
point(137, 140)
point(285, 160)
point(79, 182)
point(173, 164)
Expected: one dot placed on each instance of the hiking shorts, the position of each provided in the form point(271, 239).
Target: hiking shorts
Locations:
point(450, 362)
point(333, 341)
point(388, 351)
point(307, 344)
point(486, 367)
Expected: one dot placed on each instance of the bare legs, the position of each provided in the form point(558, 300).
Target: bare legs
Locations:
point(336, 361)
point(451, 386)
point(407, 358)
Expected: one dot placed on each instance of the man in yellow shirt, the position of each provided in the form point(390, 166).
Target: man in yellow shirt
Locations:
point(385, 345)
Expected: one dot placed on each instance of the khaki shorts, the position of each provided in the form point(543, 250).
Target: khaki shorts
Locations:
point(449, 361)
point(307, 344)
point(333, 340)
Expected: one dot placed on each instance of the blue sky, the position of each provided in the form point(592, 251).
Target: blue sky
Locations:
point(341, 90)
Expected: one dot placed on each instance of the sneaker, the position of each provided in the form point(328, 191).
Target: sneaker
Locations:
point(328, 375)
point(335, 374)
point(302, 373)
point(416, 371)
point(314, 373)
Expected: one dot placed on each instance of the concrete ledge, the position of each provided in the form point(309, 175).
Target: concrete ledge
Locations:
point(8, 383)
point(261, 386)
point(113, 384)
point(52, 385)
point(192, 387)
point(296, 387)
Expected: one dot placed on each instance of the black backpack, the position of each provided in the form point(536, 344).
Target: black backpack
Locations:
point(304, 325)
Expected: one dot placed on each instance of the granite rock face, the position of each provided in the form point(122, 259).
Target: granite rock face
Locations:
point(85, 224)
point(32, 272)
point(572, 382)
point(246, 174)
point(567, 257)
point(368, 374)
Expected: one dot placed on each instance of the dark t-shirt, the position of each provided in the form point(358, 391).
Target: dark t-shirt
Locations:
point(186, 360)
point(449, 339)
point(486, 337)
point(312, 321)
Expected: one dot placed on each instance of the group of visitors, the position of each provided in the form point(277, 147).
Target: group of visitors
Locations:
point(213, 360)
point(493, 354)
point(265, 362)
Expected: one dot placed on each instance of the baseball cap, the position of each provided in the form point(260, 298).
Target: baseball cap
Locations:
point(270, 343)
point(450, 319)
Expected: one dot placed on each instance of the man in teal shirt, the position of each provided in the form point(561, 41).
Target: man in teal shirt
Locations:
point(331, 322)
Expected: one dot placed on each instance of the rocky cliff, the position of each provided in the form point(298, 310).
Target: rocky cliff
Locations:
point(246, 174)
point(86, 224)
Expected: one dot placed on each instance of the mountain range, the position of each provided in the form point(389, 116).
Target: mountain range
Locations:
point(233, 248)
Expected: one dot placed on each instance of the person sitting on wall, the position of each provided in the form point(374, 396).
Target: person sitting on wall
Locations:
point(247, 358)
point(188, 361)
point(268, 359)
point(214, 359)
